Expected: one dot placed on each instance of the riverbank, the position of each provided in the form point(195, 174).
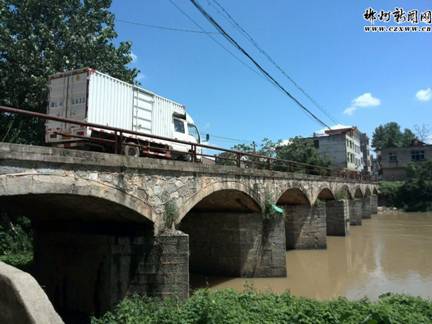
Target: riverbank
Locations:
point(229, 306)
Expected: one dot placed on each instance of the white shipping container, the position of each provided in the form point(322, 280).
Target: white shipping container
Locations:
point(90, 96)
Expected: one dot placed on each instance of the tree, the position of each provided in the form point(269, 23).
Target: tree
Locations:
point(301, 150)
point(416, 192)
point(390, 135)
point(41, 37)
point(297, 149)
point(407, 137)
point(423, 132)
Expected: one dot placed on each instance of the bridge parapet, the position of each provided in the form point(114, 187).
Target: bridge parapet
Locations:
point(143, 186)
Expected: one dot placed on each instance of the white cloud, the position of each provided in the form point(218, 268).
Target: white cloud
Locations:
point(366, 100)
point(134, 57)
point(362, 101)
point(350, 110)
point(424, 94)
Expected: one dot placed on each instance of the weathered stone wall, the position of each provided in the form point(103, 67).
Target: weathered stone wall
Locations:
point(366, 207)
point(305, 226)
point(356, 207)
point(374, 204)
point(164, 271)
point(87, 270)
point(235, 244)
point(145, 185)
point(337, 217)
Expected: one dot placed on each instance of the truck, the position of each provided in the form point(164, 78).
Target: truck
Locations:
point(89, 96)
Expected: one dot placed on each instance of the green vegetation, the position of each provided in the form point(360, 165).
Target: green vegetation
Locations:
point(389, 192)
point(271, 211)
point(170, 215)
point(15, 236)
point(415, 194)
point(42, 37)
point(16, 246)
point(390, 135)
point(297, 149)
point(228, 306)
point(21, 261)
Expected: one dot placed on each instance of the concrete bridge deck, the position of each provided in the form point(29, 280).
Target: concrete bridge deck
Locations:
point(139, 224)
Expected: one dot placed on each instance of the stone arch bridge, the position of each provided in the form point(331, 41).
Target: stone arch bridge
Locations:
point(137, 225)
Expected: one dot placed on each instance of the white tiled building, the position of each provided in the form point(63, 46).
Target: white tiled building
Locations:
point(343, 146)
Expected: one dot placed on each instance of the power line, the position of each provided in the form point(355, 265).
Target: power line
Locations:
point(165, 27)
point(260, 68)
point(259, 48)
point(214, 39)
point(237, 140)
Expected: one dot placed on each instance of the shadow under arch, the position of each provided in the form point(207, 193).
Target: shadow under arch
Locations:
point(228, 235)
point(55, 197)
point(367, 192)
point(294, 196)
point(358, 193)
point(325, 194)
point(304, 223)
point(344, 193)
point(240, 190)
point(90, 239)
point(375, 191)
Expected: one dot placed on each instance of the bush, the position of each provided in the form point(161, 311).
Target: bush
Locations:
point(228, 306)
point(21, 261)
point(415, 194)
point(389, 192)
point(15, 236)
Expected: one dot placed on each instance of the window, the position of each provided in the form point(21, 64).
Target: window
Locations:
point(179, 126)
point(192, 130)
point(392, 157)
point(316, 144)
point(417, 156)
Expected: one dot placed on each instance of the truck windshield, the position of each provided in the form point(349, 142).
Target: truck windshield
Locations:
point(193, 131)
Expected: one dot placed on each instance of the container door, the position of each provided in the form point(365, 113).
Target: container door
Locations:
point(77, 100)
point(142, 119)
point(58, 93)
point(76, 109)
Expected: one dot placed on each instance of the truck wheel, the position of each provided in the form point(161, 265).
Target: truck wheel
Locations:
point(131, 150)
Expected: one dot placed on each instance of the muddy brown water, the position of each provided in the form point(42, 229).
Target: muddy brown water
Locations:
point(391, 252)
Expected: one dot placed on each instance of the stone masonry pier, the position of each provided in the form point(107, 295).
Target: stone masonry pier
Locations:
point(107, 226)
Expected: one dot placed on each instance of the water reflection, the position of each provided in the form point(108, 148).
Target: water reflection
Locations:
point(388, 253)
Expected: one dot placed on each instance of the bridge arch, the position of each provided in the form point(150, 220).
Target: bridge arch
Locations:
point(325, 193)
point(344, 193)
point(225, 225)
point(247, 193)
point(58, 190)
point(303, 221)
point(358, 193)
point(375, 190)
point(367, 192)
point(294, 196)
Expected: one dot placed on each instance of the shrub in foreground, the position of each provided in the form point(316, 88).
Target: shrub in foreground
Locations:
point(228, 306)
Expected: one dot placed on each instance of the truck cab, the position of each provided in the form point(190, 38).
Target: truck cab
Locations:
point(185, 130)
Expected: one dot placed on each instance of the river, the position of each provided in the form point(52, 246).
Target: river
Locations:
point(391, 252)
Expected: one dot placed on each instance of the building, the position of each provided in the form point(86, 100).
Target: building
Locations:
point(365, 148)
point(346, 147)
point(394, 160)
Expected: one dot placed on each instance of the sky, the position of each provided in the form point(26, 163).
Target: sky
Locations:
point(359, 78)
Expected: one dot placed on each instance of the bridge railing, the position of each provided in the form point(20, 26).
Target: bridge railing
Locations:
point(117, 141)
